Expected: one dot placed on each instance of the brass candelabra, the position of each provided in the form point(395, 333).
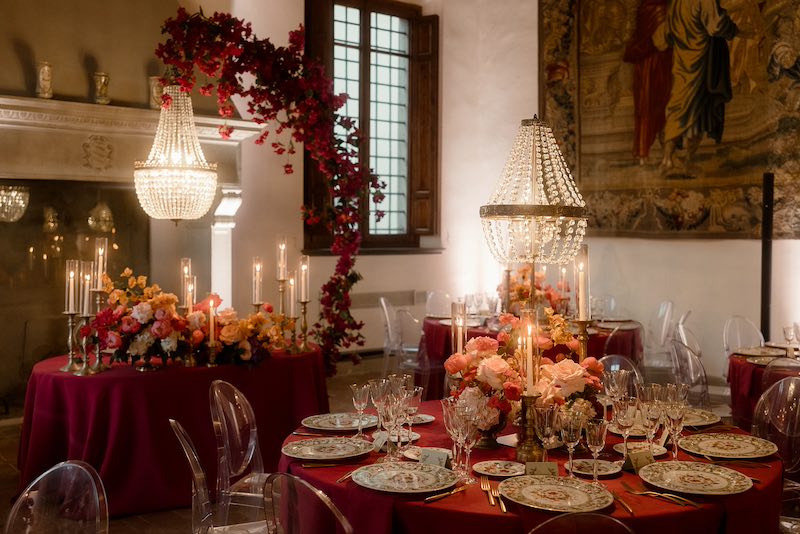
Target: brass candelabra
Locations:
point(73, 362)
point(84, 369)
point(528, 447)
point(583, 338)
point(304, 325)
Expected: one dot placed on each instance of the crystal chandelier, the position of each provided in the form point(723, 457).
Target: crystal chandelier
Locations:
point(536, 213)
point(176, 182)
point(13, 202)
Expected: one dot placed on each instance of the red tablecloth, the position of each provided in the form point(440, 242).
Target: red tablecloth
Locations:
point(118, 422)
point(468, 512)
point(745, 381)
point(439, 348)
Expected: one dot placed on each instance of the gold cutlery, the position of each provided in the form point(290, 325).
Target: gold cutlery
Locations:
point(670, 497)
point(347, 475)
point(485, 487)
point(737, 462)
point(445, 494)
point(498, 498)
point(309, 465)
point(622, 503)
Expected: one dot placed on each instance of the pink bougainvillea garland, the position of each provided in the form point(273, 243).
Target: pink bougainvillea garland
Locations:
point(288, 92)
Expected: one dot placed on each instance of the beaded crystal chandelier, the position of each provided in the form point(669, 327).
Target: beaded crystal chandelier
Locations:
point(176, 182)
point(536, 213)
point(13, 202)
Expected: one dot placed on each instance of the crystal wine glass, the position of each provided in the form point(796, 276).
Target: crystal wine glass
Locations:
point(651, 414)
point(571, 425)
point(379, 389)
point(468, 436)
point(448, 418)
point(625, 417)
point(546, 421)
point(413, 400)
point(360, 401)
point(674, 412)
point(788, 335)
point(616, 382)
point(596, 440)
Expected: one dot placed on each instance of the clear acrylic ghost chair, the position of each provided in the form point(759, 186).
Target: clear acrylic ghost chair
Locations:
point(777, 418)
point(689, 370)
point(67, 498)
point(203, 520)
point(437, 304)
point(777, 370)
point(240, 470)
point(739, 331)
point(575, 522)
point(615, 362)
point(298, 507)
point(659, 326)
point(401, 339)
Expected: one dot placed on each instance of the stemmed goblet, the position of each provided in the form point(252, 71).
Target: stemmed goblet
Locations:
point(674, 412)
point(450, 424)
point(468, 436)
point(571, 426)
point(625, 417)
point(546, 421)
point(360, 401)
point(788, 335)
point(596, 440)
point(413, 400)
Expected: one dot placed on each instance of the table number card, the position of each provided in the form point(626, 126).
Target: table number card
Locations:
point(379, 442)
point(541, 468)
point(433, 457)
point(638, 459)
point(663, 439)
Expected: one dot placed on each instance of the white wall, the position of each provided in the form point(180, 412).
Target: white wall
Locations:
point(489, 82)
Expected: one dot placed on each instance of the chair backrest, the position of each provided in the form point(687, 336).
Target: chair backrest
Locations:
point(69, 497)
point(659, 325)
point(235, 429)
point(777, 370)
point(575, 522)
point(201, 504)
point(686, 336)
point(615, 362)
point(391, 326)
point(689, 370)
point(739, 331)
point(437, 304)
point(298, 507)
point(777, 419)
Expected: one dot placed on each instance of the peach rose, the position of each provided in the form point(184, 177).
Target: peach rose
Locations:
point(573, 345)
point(593, 365)
point(113, 340)
point(230, 334)
point(247, 351)
point(129, 325)
point(492, 371)
point(512, 390)
point(482, 346)
point(197, 337)
point(503, 337)
point(161, 329)
point(567, 375)
point(456, 363)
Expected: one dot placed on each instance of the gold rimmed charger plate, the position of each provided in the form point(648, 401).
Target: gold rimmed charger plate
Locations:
point(698, 417)
point(733, 446)
point(762, 360)
point(327, 448)
point(760, 351)
point(339, 422)
point(695, 477)
point(556, 494)
point(404, 477)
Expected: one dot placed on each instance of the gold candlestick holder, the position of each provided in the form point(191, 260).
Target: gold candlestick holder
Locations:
point(257, 307)
point(84, 369)
point(282, 298)
point(73, 362)
point(212, 354)
point(293, 348)
point(528, 447)
point(304, 347)
point(583, 338)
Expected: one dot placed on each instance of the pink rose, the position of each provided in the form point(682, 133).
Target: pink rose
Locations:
point(161, 314)
point(161, 329)
point(510, 319)
point(593, 365)
point(129, 325)
point(503, 337)
point(543, 342)
point(573, 345)
point(197, 337)
point(456, 363)
point(492, 371)
point(113, 340)
point(512, 390)
point(230, 334)
point(567, 375)
point(482, 346)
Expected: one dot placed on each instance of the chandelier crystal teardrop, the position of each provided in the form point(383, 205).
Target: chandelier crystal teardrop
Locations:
point(176, 182)
point(536, 213)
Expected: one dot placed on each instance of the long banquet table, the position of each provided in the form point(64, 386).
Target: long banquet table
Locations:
point(627, 341)
point(117, 421)
point(468, 512)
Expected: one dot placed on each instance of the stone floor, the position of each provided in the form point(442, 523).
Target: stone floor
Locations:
point(172, 521)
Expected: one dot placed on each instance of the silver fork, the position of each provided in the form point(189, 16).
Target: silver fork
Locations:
point(485, 487)
point(496, 494)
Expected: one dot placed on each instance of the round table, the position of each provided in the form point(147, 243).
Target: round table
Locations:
point(437, 344)
point(468, 512)
point(746, 382)
point(117, 421)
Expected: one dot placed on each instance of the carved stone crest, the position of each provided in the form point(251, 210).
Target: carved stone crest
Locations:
point(97, 153)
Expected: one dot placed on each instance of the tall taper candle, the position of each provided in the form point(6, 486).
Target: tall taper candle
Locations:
point(190, 293)
point(292, 294)
point(257, 268)
point(582, 267)
point(100, 260)
point(186, 273)
point(529, 361)
point(87, 278)
point(72, 277)
point(281, 256)
point(211, 322)
point(305, 267)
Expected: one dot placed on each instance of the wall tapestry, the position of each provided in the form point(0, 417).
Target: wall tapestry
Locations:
point(669, 112)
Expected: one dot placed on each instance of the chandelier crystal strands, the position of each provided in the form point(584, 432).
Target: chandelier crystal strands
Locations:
point(176, 182)
point(536, 213)
point(13, 202)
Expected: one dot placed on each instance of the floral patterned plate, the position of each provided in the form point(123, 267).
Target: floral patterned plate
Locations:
point(422, 418)
point(760, 351)
point(586, 467)
point(404, 477)
point(698, 417)
point(499, 468)
point(510, 440)
point(634, 446)
point(403, 436)
point(413, 452)
point(326, 448)
point(637, 431)
point(557, 494)
point(339, 421)
point(737, 446)
point(761, 360)
point(695, 477)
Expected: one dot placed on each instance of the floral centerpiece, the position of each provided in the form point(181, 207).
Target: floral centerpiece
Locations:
point(519, 289)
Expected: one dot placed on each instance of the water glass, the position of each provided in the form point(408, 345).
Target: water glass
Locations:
point(625, 416)
point(450, 424)
point(616, 382)
point(413, 400)
point(379, 389)
point(596, 440)
point(674, 412)
point(467, 436)
point(546, 424)
point(571, 426)
point(360, 401)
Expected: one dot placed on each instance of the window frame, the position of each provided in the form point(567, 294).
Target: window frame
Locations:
point(422, 137)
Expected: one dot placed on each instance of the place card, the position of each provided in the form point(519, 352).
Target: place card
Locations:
point(638, 459)
point(379, 442)
point(434, 457)
point(663, 439)
point(541, 468)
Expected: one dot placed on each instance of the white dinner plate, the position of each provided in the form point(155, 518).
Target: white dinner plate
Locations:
point(735, 446)
point(499, 468)
point(343, 422)
point(617, 325)
point(557, 494)
point(326, 448)
point(637, 431)
point(697, 417)
point(695, 477)
point(422, 418)
point(585, 466)
point(781, 345)
point(510, 440)
point(404, 477)
point(761, 360)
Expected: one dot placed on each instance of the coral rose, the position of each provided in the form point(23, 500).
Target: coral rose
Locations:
point(593, 365)
point(512, 390)
point(161, 329)
point(197, 337)
point(230, 334)
point(456, 363)
point(129, 325)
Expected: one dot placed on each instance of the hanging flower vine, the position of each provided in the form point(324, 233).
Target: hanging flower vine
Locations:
point(288, 92)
